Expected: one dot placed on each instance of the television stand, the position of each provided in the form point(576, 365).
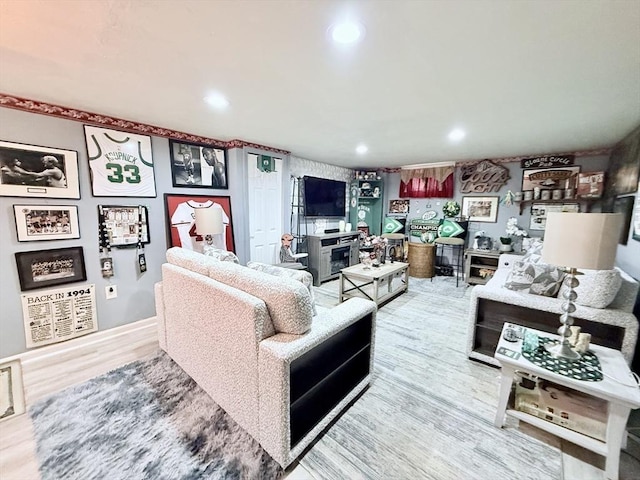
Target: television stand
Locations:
point(331, 252)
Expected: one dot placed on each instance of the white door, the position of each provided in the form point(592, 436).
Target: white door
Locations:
point(265, 211)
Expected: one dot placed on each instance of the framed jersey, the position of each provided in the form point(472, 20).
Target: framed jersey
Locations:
point(198, 166)
point(181, 221)
point(121, 163)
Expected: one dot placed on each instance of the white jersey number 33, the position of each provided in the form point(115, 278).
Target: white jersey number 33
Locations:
point(121, 163)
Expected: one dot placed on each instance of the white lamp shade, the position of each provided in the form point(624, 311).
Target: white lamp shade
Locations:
point(582, 240)
point(209, 221)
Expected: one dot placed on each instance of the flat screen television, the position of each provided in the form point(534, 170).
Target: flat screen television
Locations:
point(324, 198)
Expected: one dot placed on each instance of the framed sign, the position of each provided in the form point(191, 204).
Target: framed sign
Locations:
point(550, 178)
point(32, 171)
point(623, 171)
point(11, 393)
point(46, 222)
point(181, 226)
point(198, 166)
point(480, 209)
point(122, 224)
point(45, 268)
point(398, 206)
point(121, 163)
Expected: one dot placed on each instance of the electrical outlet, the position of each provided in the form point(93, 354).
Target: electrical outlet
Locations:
point(111, 291)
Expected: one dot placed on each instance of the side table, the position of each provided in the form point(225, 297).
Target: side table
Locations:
point(617, 388)
point(421, 258)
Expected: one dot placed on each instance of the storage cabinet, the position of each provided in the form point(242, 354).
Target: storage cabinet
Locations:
point(480, 266)
point(330, 253)
point(366, 204)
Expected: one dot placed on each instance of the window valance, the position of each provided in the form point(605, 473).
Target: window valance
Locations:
point(439, 174)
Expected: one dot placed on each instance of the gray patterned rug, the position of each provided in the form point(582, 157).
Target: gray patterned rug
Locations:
point(146, 420)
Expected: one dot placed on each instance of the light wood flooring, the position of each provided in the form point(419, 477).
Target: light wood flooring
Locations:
point(329, 459)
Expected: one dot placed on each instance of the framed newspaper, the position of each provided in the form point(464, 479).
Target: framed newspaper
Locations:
point(38, 172)
point(46, 222)
point(121, 163)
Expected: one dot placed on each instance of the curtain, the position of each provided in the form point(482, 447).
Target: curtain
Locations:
point(434, 182)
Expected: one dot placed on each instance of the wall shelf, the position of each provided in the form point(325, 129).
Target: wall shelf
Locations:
point(587, 201)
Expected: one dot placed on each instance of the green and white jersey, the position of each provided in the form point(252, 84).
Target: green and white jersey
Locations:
point(121, 163)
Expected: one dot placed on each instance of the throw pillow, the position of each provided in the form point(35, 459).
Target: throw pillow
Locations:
point(221, 255)
point(535, 278)
point(302, 276)
point(534, 252)
point(597, 289)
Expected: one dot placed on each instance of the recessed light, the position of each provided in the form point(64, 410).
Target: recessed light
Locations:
point(361, 149)
point(457, 134)
point(217, 101)
point(346, 32)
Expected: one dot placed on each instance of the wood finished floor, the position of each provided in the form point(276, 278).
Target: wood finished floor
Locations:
point(406, 346)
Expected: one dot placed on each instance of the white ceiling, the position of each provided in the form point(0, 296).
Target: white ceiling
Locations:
point(521, 77)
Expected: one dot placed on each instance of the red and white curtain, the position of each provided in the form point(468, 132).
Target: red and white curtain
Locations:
point(435, 182)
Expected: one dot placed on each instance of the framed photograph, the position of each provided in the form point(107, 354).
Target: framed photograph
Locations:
point(43, 172)
point(399, 206)
point(198, 166)
point(11, 392)
point(121, 224)
point(636, 219)
point(539, 212)
point(624, 205)
point(46, 222)
point(45, 268)
point(559, 178)
point(121, 163)
point(180, 210)
point(480, 209)
point(623, 172)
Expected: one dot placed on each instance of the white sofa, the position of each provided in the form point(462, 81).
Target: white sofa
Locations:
point(493, 304)
point(250, 340)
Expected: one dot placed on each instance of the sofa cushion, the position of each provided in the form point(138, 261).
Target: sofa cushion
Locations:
point(597, 289)
point(301, 276)
point(534, 252)
point(194, 261)
point(287, 300)
point(535, 278)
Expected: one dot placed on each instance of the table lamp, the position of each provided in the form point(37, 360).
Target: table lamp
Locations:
point(208, 223)
point(578, 240)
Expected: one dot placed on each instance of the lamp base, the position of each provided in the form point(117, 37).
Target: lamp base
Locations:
point(562, 350)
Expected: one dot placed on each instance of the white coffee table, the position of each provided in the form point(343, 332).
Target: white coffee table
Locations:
point(616, 388)
point(379, 284)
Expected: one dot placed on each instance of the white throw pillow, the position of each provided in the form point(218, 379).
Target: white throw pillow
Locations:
point(535, 278)
point(597, 289)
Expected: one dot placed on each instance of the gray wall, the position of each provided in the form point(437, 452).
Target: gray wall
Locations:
point(135, 299)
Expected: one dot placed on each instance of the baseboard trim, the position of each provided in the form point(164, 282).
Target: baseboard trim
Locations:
point(49, 369)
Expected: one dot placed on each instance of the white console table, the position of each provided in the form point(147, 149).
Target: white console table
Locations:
point(616, 388)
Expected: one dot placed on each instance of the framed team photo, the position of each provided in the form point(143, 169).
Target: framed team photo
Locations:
point(120, 163)
point(123, 224)
point(11, 392)
point(38, 172)
point(181, 226)
point(199, 166)
point(46, 222)
point(46, 268)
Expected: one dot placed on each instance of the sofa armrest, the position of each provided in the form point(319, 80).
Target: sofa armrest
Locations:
point(506, 260)
point(295, 371)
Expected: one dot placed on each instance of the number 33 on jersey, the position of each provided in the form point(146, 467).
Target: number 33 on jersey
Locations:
point(121, 163)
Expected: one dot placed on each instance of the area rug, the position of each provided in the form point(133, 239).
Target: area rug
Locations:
point(442, 286)
point(146, 420)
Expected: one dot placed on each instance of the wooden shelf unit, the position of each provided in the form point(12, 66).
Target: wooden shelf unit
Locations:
point(586, 201)
point(476, 260)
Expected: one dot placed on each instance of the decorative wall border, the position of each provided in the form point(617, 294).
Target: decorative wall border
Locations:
point(53, 110)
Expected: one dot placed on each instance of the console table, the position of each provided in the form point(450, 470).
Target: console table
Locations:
point(616, 388)
point(331, 252)
point(374, 283)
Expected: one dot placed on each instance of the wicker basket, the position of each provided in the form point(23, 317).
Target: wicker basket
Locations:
point(421, 260)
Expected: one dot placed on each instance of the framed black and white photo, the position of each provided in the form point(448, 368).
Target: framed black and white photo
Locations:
point(38, 172)
point(46, 268)
point(121, 163)
point(480, 209)
point(198, 166)
point(121, 224)
point(539, 212)
point(11, 392)
point(46, 222)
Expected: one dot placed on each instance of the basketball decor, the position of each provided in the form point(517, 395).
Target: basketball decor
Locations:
point(121, 163)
